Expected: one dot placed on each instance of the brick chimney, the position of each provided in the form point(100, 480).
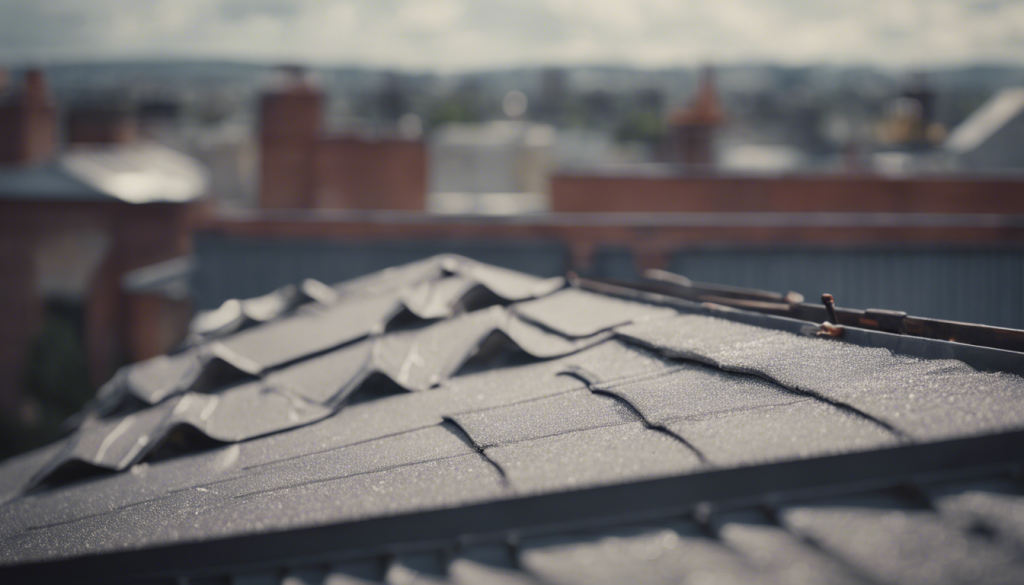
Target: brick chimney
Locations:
point(693, 128)
point(290, 121)
point(28, 122)
point(99, 124)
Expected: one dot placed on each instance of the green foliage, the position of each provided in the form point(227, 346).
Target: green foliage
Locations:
point(56, 381)
point(57, 375)
point(449, 111)
point(641, 126)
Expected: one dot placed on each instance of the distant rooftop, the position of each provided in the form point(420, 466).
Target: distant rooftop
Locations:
point(136, 173)
point(986, 120)
point(495, 133)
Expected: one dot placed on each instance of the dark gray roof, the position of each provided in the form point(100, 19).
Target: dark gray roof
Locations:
point(447, 421)
point(133, 173)
point(45, 182)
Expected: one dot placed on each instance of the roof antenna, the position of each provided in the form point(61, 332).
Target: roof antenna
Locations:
point(830, 328)
point(830, 305)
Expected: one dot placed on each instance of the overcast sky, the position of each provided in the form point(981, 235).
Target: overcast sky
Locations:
point(453, 35)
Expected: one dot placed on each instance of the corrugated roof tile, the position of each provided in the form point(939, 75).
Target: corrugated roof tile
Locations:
point(289, 424)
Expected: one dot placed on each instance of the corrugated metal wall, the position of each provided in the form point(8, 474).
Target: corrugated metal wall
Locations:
point(977, 286)
point(233, 267)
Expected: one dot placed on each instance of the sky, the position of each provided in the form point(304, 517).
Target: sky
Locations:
point(453, 35)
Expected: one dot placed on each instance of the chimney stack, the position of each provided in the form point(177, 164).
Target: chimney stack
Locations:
point(290, 121)
point(693, 128)
point(101, 120)
point(28, 122)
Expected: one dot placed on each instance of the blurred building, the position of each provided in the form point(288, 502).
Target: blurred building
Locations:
point(493, 167)
point(909, 122)
point(692, 129)
point(73, 219)
point(301, 167)
point(554, 93)
point(992, 138)
point(28, 119)
point(100, 123)
point(927, 243)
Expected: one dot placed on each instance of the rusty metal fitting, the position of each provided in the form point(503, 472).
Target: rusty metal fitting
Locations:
point(827, 329)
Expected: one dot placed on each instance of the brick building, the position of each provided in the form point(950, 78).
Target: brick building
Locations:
point(72, 222)
point(302, 167)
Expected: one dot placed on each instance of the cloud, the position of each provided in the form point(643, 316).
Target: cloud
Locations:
point(461, 34)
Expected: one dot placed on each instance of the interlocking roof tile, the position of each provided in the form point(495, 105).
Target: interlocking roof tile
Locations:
point(451, 422)
point(600, 455)
point(794, 430)
point(577, 313)
point(926, 399)
point(542, 417)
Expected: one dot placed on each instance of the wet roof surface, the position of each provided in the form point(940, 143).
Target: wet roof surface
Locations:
point(448, 385)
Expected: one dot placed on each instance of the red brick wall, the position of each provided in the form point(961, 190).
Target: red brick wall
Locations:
point(572, 193)
point(299, 168)
point(28, 133)
point(99, 127)
point(289, 136)
point(28, 123)
point(354, 173)
point(140, 235)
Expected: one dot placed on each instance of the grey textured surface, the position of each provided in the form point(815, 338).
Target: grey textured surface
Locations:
point(510, 284)
point(437, 298)
point(926, 399)
point(203, 513)
point(437, 284)
point(596, 456)
point(19, 470)
point(393, 279)
point(891, 542)
point(776, 551)
point(614, 361)
point(722, 415)
point(159, 377)
point(541, 343)
point(234, 314)
point(488, 563)
point(312, 388)
point(695, 391)
point(355, 573)
point(542, 417)
point(427, 568)
point(440, 297)
point(422, 358)
point(327, 377)
point(427, 444)
point(578, 313)
point(245, 411)
point(496, 402)
point(993, 507)
point(674, 553)
point(115, 443)
point(796, 430)
point(311, 330)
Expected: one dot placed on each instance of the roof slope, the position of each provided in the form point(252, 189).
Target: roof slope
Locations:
point(454, 422)
point(984, 122)
point(134, 173)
